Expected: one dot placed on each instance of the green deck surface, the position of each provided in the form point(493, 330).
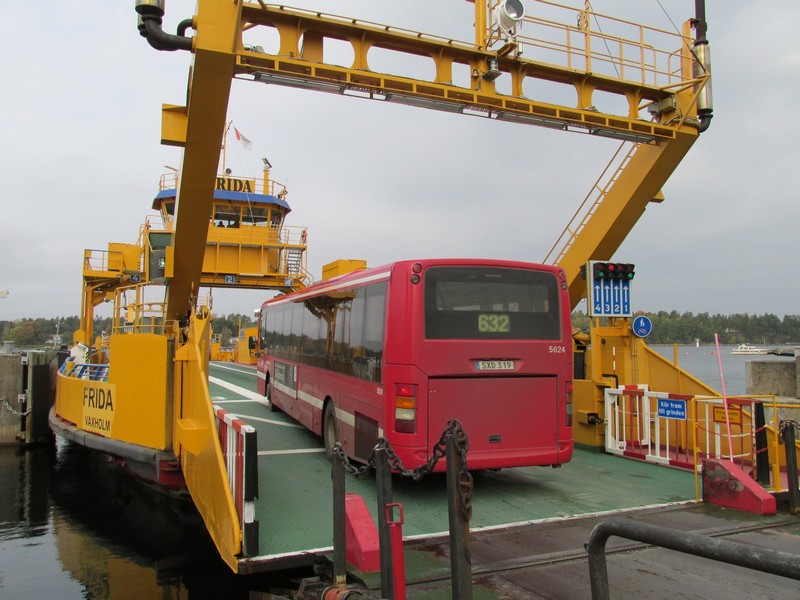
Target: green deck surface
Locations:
point(295, 496)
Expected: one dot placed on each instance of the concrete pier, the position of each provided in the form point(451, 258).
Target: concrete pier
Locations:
point(780, 378)
point(27, 382)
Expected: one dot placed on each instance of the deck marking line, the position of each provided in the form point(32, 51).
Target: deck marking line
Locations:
point(242, 370)
point(270, 421)
point(242, 401)
point(236, 388)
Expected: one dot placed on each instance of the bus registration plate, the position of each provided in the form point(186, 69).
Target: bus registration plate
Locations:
point(495, 365)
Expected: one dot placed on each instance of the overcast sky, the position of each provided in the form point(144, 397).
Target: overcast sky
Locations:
point(82, 95)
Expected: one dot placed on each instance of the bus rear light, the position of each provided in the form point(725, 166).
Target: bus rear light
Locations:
point(416, 268)
point(405, 408)
point(568, 400)
point(406, 390)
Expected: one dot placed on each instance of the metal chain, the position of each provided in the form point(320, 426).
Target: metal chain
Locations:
point(12, 411)
point(438, 451)
point(356, 472)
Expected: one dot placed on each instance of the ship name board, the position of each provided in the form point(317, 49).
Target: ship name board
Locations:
point(98, 407)
point(228, 184)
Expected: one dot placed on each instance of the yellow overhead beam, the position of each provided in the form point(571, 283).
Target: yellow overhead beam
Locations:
point(300, 62)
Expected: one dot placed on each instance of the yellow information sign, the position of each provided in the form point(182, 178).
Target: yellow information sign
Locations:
point(734, 414)
point(98, 407)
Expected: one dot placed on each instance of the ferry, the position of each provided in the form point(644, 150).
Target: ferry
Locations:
point(259, 480)
point(103, 400)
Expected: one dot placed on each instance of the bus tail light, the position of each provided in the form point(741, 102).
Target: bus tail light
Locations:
point(405, 408)
point(568, 400)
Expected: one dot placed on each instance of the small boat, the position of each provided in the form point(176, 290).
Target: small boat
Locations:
point(748, 349)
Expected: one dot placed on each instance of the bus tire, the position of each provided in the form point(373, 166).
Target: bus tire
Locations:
point(329, 434)
point(270, 394)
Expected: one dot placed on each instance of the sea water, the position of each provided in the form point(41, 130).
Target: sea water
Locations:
point(704, 363)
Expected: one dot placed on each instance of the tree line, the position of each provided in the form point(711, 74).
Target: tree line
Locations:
point(668, 328)
point(685, 328)
point(33, 333)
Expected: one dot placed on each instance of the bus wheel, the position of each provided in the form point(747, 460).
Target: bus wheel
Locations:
point(329, 436)
point(268, 392)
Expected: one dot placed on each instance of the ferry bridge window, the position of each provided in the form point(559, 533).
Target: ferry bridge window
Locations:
point(168, 211)
point(254, 215)
point(491, 303)
point(226, 215)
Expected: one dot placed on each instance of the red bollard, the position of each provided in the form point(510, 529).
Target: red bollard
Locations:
point(398, 559)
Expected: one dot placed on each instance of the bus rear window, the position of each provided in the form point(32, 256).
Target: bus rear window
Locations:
point(491, 303)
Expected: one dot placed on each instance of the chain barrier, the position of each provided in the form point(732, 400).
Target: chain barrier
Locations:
point(465, 482)
point(11, 409)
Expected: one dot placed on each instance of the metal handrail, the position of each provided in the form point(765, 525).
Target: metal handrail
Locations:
point(766, 560)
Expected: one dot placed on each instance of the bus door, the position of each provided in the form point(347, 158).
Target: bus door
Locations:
point(285, 387)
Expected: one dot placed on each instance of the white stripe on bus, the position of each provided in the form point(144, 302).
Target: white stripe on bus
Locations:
point(345, 417)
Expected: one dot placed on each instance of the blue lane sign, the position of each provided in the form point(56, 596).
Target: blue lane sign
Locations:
point(672, 409)
point(642, 326)
point(230, 278)
point(609, 296)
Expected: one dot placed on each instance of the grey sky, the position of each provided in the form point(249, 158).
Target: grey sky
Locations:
point(82, 98)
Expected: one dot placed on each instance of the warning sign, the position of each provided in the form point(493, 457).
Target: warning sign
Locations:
point(734, 413)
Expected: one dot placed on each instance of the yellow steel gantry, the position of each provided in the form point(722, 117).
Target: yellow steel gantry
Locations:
point(672, 84)
point(669, 82)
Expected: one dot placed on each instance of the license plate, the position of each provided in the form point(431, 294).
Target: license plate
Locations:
point(495, 365)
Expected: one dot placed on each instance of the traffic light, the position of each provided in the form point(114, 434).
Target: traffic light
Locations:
point(610, 271)
point(627, 271)
point(600, 271)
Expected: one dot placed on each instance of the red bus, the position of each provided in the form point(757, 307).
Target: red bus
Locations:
point(397, 351)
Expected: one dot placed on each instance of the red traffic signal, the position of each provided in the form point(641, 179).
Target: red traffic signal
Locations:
point(604, 270)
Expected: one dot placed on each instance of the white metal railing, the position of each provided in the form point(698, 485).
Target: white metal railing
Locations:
point(652, 426)
point(240, 452)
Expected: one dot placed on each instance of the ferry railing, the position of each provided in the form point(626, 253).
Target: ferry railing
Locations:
point(89, 371)
point(682, 430)
point(731, 429)
point(169, 181)
point(95, 260)
point(140, 317)
point(588, 41)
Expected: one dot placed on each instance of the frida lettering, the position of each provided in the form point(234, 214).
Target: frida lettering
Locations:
point(97, 398)
point(234, 185)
